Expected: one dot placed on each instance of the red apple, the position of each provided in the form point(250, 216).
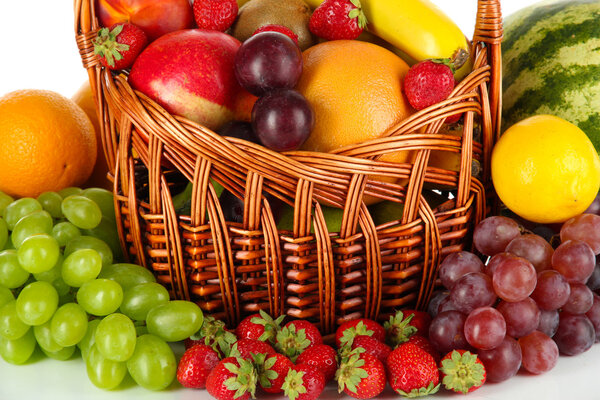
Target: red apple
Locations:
point(191, 73)
point(156, 18)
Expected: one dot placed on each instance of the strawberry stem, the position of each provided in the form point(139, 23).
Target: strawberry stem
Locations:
point(106, 45)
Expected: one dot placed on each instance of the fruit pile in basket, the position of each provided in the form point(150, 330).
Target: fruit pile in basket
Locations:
point(288, 74)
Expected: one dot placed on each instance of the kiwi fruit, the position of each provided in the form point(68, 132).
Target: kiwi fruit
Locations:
point(293, 14)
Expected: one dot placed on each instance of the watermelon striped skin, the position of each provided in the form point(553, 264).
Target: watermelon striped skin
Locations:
point(551, 64)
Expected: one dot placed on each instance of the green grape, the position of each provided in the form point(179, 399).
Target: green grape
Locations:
point(127, 275)
point(61, 355)
point(90, 242)
point(81, 211)
point(32, 224)
point(153, 364)
point(102, 372)
point(64, 232)
point(53, 273)
point(5, 295)
point(140, 299)
point(3, 233)
point(141, 330)
point(38, 253)
point(104, 199)
point(11, 326)
point(17, 351)
point(68, 297)
point(36, 303)
point(9, 244)
point(12, 275)
point(70, 191)
point(175, 320)
point(115, 337)
point(51, 202)
point(89, 339)
point(100, 297)
point(107, 232)
point(18, 209)
point(43, 336)
point(69, 324)
point(5, 200)
point(81, 266)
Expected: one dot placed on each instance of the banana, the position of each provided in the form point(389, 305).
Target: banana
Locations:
point(419, 29)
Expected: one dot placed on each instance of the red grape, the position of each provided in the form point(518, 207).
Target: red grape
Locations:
point(575, 260)
point(552, 290)
point(514, 279)
point(446, 331)
point(533, 248)
point(580, 300)
point(593, 315)
point(456, 265)
point(594, 208)
point(446, 305)
point(575, 334)
point(539, 352)
point(548, 322)
point(495, 260)
point(584, 227)
point(522, 317)
point(267, 61)
point(503, 361)
point(593, 281)
point(282, 119)
point(493, 234)
point(472, 291)
point(434, 303)
point(240, 130)
point(485, 328)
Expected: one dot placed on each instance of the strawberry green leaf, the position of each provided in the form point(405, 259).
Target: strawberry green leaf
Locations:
point(462, 372)
point(293, 386)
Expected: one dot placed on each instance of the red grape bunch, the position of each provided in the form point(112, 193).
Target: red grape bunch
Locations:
point(528, 303)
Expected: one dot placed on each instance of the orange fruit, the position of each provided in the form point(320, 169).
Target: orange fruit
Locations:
point(355, 90)
point(48, 143)
point(85, 99)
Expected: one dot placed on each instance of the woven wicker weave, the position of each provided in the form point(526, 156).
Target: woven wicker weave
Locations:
point(234, 269)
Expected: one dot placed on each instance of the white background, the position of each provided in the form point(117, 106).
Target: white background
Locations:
point(38, 50)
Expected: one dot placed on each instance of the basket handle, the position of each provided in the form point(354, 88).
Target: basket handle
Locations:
point(488, 30)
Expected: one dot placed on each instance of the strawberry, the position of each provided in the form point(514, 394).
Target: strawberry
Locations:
point(195, 365)
point(278, 28)
point(412, 372)
point(117, 47)
point(295, 337)
point(259, 326)
point(215, 15)
point(232, 378)
point(213, 334)
point(245, 348)
point(346, 332)
point(428, 82)
point(399, 328)
point(372, 346)
point(462, 371)
point(361, 375)
point(272, 370)
point(321, 356)
point(425, 344)
point(338, 19)
point(303, 382)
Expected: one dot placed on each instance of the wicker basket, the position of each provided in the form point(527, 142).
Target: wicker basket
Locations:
point(234, 269)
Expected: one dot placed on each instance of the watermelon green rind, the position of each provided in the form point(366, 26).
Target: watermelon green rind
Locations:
point(551, 64)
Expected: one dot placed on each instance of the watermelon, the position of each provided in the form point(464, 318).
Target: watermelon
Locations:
point(551, 64)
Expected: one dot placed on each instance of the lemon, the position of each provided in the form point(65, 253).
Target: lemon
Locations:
point(545, 169)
